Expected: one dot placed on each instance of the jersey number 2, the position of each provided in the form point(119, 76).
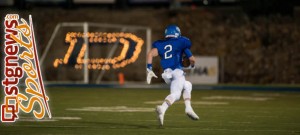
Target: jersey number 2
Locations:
point(168, 49)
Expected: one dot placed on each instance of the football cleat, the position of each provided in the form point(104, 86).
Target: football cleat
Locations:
point(160, 115)
point(191, 114)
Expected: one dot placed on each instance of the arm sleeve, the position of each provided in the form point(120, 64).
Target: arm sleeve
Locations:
point(188, 43)
point(188, 53)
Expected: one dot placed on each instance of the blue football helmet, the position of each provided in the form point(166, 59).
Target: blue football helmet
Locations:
point(172, 31)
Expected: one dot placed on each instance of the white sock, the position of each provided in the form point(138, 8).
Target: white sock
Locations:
point(187, 103)
point(164, 106)
point(187, 95)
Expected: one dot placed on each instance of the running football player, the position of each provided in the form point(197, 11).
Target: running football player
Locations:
point(171, 50)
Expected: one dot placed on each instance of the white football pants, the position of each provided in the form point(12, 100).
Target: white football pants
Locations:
point(178, 84)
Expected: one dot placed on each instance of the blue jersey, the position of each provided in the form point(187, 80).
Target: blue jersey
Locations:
point(170, 51)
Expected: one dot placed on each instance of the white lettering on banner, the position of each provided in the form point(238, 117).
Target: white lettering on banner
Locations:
point(206, 70)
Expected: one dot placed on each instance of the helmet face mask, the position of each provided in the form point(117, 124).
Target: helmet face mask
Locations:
point(172, 31)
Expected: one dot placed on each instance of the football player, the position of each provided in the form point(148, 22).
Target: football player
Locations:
point(171, 50)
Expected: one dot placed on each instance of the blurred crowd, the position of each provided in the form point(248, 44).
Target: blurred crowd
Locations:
point(256, 50)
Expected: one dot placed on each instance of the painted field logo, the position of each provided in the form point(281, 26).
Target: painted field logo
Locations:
point(21, 63)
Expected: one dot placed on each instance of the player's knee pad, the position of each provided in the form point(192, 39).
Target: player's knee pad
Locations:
point(187, 86)
point(177, 86)
point(187, 90)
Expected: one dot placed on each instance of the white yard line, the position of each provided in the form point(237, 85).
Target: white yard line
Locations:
point(243, 130)
point(193, 102)
point(245, 98)
point(268, 94)
point(34, 120)
point(113, 109)
point(67, 118)
point(31, 119)
point(51, 126)
point(209, 103)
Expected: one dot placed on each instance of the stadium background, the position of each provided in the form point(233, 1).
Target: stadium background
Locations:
point(256, 41)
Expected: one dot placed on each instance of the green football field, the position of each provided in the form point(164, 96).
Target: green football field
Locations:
point(107, 111)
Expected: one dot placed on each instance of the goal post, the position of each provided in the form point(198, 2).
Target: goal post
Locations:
point(83, 52)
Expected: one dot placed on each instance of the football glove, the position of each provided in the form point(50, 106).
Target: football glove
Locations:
point(150, 74)
point(190, 67)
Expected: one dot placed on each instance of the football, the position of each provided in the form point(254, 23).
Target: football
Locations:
point(185, 62)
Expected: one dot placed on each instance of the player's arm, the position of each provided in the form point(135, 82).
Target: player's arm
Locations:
point(152, 53)
point(189, 54)
point(192, 61)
